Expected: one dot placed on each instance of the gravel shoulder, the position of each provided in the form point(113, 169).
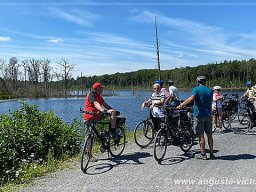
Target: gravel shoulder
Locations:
point(136, 170)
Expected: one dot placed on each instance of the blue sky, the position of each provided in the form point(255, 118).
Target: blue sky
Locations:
point(119, 36)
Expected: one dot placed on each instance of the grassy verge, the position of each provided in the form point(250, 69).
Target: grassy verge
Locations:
point(35, 170)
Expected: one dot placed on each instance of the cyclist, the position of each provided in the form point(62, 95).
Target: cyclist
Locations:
point(217, 106)
point(156, 102)
point(202, 97)
point(251, 91)
point(94, 102)
point(251, 95)
point(174, 94)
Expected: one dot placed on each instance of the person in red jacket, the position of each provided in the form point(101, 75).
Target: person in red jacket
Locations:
point(94, 102)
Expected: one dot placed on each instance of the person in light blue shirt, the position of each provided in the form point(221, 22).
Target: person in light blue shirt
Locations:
point(202, 97)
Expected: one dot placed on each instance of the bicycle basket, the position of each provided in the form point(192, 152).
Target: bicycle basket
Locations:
point(120, 120)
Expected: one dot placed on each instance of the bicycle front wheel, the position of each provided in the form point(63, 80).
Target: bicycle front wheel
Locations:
point(245, 122)
point(226, 121)
point(117, 142)
point(143, 134)
point(87, 153)
point(160, 145)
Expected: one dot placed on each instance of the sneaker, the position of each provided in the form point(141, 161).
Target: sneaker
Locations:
point(212, 156)
point(93, 159)
point(201, 156)
point(221, 130)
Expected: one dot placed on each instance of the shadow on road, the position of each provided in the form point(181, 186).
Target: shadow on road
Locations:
point(236, 157)
point(178, 159)
point(133, 158)
point(100, 168)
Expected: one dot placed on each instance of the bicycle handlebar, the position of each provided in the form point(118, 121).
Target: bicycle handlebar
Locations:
point(93, 113)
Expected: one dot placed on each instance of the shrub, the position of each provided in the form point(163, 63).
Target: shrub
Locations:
point(28, 136)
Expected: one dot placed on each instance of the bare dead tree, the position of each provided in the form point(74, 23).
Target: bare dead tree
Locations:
point(13, 70)
point(25, 64)
point(34, 70)
point(2, 66)
point(66, 68)
point(46, 69)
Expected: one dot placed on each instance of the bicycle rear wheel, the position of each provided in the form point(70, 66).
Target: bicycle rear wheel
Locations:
point(160, 145)
point(117, 142)
point(143, 134)
point(186, 140)
point(87, 152)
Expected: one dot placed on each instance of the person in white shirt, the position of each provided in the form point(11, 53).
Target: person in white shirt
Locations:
point(156, 102)
point(173, 99)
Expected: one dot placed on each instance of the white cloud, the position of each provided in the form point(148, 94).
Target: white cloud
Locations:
point(56, 41)
point(203, 41)
point(4, 38)
point(76, 16)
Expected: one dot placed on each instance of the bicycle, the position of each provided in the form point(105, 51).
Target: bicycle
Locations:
point(230, 108)
point(177, 126)
point(144, 132)
point(246, 115)
point(104, 140)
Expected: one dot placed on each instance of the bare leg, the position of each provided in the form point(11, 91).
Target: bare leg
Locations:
point(202, 143)
point(220, 117)
point(113, 119)
point(210, 142)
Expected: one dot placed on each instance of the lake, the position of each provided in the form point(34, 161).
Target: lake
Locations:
point(127, 102)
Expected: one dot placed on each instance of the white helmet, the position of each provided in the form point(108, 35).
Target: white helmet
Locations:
point(217, 88)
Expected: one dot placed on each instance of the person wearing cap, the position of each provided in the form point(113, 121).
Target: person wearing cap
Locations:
point(251, 95)
point(163, 89)
point(94, 102)
point(217, 106)
point(173, 99)
point(250, 92)
point(156, 102)
point(202, 98)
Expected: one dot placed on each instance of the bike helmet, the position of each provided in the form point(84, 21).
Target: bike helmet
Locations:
point(217, 88)
point(170, 81)
point(160, 82)
point(248, 83)
point(201, 79)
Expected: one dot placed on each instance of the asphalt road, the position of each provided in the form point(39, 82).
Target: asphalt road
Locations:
point(136, 170)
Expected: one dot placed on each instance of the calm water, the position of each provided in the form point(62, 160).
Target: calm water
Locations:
point(126, 102)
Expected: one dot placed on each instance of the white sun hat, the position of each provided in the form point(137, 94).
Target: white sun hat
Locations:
point(217, 87)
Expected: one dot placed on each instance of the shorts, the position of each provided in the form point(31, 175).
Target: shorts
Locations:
point(88, 122)
point(202, 125)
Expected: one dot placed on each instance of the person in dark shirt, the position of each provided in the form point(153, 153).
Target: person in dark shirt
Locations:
point(202, 97)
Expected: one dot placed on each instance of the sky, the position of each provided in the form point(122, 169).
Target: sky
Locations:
point(105, 37)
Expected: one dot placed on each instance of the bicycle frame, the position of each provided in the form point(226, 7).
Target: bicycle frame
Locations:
point(102, 139)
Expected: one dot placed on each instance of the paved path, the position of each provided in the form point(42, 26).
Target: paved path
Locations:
point(136, 170)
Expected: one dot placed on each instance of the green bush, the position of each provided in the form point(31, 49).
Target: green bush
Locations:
point(28, 136)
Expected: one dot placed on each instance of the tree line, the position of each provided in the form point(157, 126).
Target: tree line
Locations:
point(37, 78)
point(33, 78)
point(227, 74)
